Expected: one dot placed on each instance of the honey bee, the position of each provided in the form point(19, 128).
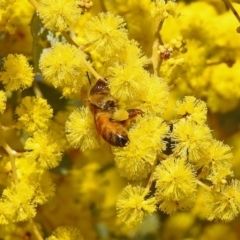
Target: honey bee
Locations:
point(103, 105)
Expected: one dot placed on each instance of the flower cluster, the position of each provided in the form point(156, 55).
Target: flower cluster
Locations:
point(118, 113)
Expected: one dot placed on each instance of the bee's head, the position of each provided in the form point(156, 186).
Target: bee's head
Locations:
point(100, 87)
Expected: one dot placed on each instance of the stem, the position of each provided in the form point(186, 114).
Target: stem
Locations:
point(103, 7)
point(202, 173)
point(35, 230)
point(11, 154)
point(157, 41)
point(4, 128)
point(69, 39)
point(172, 86)
point(91, 69)
point(213, 63)
point(150, 181)
point(34, 3)
point(229, 4)
point(204, 186)
point(36, 89)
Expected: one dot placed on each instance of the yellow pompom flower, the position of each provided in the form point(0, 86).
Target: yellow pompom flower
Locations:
point(171, 206)
point(224, 204)
point(131, 53)
point(44, 187)
point(88, 182)
point(127, 81)
point(175, 180)
point(218, 231)
point(17, 202)
point(3, 219)
point(162, 9)
point(172, 69)
point(43, 148)
point(5, 170)
point(59, 15)
point(66, 233)
point(191, 140)
point(14, 17)
point(34, 114)
point(154, 96)
point(192, 109)
point(106, 34)
point(3, 100)
point(6, 3)
point(132, 205)
point(17, 73)
point(219, 157)
point(29, 172)
point(63, 66)
point(146, 139)
point(218, 153)
point(219, 173)
point(81, 130)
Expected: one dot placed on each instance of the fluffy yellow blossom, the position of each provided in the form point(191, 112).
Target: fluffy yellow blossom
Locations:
point(130, 164)
point(34, 114)
point(3, 100)
point(5, 170)
point(131, 53)
point(217, 160)
point(171, 206)
point(154, 95)
point(106, 34)
point(59, 15)
point(218, 154)
point(63, 66)
point(88, 181)
point(81, 130)
point(17, 73)
point(224, 204)
point(192, 109)
point(44, 148)
point(44, 187)
point(13, 16)
point(198, 28)
point(146, 139)
point(191, 140)
point(66, 233)
point(28, 171)
point(6, 3)
point(17, 202)
point(224, 94)
point(172, 69)
point(162, 9)
point(132, 205)
point(175, 179)
point(219, 172)
point(218, 231)
point(58, 128)
point(25, 168)
point(3, 219)
point(127, 81)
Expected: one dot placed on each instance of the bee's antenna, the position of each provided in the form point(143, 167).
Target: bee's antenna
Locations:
point(88, 79)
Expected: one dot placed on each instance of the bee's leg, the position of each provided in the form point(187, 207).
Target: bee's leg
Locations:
point(131, 114)
point(134, 112)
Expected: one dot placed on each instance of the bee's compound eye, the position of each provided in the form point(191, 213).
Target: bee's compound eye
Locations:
point(99, 87)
